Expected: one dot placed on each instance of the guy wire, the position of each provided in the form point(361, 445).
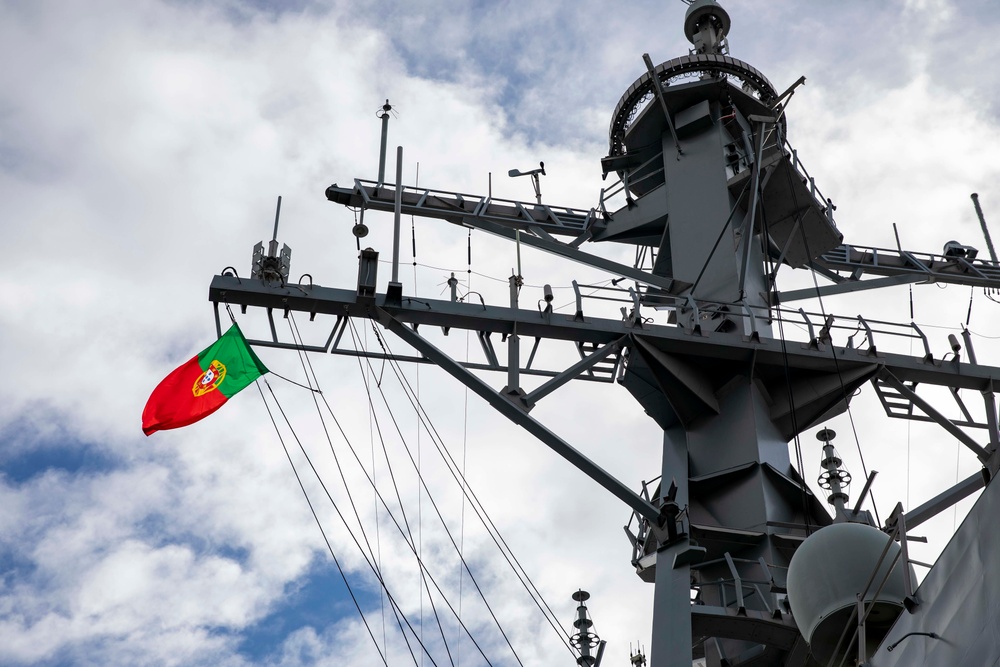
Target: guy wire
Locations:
point(444, 524)
point(477, 505)
point(371, 565)
point(399, 499)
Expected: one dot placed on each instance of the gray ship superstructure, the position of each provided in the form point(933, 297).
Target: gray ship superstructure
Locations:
point(748, 566)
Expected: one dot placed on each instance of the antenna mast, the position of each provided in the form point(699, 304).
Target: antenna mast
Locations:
point(730, 510)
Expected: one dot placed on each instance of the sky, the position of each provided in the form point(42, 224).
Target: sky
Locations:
point(142, 148)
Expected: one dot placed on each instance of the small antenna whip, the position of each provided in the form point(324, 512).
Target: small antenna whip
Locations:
point(986, 232)
point(277, 214)
point(384, 117)
point(272, 247)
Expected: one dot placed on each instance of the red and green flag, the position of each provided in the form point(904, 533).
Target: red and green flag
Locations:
point(203, 384)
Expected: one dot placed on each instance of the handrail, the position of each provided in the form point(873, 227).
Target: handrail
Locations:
point(863, 613)
point(828, 322)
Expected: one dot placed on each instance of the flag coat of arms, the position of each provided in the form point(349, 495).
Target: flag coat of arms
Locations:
point(202, 385)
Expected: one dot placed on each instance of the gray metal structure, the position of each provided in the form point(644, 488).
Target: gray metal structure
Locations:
point(718, 202)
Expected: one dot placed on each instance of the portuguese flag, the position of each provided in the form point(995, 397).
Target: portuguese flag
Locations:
point(203, 384)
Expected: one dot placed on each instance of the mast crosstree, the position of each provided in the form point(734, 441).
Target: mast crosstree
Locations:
point(714, 191)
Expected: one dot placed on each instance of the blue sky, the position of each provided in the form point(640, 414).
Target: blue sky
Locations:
point(142, 146)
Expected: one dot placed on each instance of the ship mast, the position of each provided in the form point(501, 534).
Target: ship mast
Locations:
point(719, 199)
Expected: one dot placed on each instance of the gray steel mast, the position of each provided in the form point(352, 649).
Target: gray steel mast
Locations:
point(716, 194)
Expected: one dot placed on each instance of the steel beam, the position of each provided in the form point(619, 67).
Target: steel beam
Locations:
point(576, 255)
point(456, 207)
point(451, 207)
point(494, 215)
point(496, 319)
point(572, 372)
point(929, 267)
point(846, 287)
point(991, 418)
point(944, 500)
point(658, 90)
point(505, 407)
point(748, 225)
point(886, 376)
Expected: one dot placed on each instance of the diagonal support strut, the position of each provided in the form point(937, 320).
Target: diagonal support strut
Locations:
point(572, 372)
point(505, 407)
point(886, 376)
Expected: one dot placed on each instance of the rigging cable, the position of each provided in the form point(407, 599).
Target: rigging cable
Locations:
point(297, 340)
point(800, 463)
point(378, 536)
point(420, 495)
point(833, 354)
point(488, 523)
point(477, 273)
point(909, 422)
point(465, 449)
point(850, 413)
point(463, 484)
point(385, 505)
point(371, 565)
point(308, 370)
point(398, 527)
point(430, 497)
point(303, 358)
point(319, 525)
point(477, 505)
point(597, 288)
point(772, 287)
point(721, 234)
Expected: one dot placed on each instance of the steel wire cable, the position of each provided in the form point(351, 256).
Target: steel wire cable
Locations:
point(465, 443)
point(375, 570)
point(395, 522)
point(719, 239)
point(477, 506)
point(391, 516)
point(909, 457)
point(307, 364)
point(420, 499)
point(399, 500)
point(378, 535)
point(463, 483)
point(430, 497)
point(788, 377)
point(498, 538)
point(505, 549)
point(319, 525)
point(314, 382)
point(833, 354)
point(481, 275)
